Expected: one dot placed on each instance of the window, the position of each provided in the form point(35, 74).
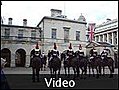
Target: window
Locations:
point(115, 38)
point(110, 38)
point(66, 35)
point(20, 34)
point(101, 37)
point(97, 38)
point(105, 37)
point(7, 33)
point(77, 35)
point(33, 34)
point(54, 33)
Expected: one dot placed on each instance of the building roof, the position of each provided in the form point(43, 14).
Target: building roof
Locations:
point(60, 19)
point(98, 44)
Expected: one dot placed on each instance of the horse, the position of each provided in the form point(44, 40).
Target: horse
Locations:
point(70, 62)
point(108, 61)
point(54, 65)
point(36, 64)
point(44, 62)
point(95, 63)
point(82, 63)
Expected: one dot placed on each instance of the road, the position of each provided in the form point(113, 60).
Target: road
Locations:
point(21, 78)
point(23, 70)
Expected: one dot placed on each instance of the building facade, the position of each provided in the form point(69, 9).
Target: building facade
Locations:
point(107, 32)
point(61, 30)
point(17, 43)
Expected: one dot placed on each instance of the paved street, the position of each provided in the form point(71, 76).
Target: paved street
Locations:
point(23, 70)
point(21, 78)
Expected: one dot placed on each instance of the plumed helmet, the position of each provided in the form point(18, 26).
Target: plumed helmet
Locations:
point(70, 46)
point(55, 47)
point(80, 47)
point(37, 47)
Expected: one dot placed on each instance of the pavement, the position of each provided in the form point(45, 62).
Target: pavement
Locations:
point(21, 78)
point(28, 70)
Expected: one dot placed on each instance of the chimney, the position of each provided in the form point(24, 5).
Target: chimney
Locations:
point(56, 12)
point(9, 21)
point(24, 22)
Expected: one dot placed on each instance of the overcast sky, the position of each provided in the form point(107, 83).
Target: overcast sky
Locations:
point(94, 11)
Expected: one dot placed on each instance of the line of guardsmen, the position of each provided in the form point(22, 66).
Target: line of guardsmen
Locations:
point(79, 53)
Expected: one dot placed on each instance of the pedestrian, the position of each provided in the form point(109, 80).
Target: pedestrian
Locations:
point(4, 83)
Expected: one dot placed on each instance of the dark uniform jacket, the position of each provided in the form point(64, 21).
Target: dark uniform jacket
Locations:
point(54, 53)
point(69, 53)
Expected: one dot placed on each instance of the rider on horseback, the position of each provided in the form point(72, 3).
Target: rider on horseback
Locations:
point(93, 53)
point(80, 52)
point(54, 53)
point(37, 51)
point(70, 52)
point(104, 55)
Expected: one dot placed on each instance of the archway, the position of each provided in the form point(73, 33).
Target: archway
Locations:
point(20, 58)
point(6, 54)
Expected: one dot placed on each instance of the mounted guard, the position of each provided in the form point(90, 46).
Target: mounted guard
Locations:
point(104, 55)
point(70, 52)
point(93, 53)
point(54, 53)
point(80, 53)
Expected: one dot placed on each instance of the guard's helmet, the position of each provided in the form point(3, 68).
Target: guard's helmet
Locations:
point(80, 47)
point(37, 47)
point(70, 46)
point(55, 47)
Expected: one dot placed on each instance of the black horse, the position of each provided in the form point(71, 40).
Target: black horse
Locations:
point(108, 61)
point(82, 63)
point(36, 64)
point(54, 65)
point(95, 63)
point(70, 62)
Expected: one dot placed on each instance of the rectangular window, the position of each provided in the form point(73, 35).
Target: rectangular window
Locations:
point(7, 33)
point(115, 38)
point(77, 35)
point(33, 34)
point(110, 38)
point(54, 33)
point(20, 34)
point(101, 37)
point(97, 38)
point(105, 37)
point(66, 35)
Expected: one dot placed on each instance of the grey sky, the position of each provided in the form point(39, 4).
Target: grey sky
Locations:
point(34, 11)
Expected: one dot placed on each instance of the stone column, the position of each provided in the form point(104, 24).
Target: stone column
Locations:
point(27, 63)
point(12, 60)
point(107, 38)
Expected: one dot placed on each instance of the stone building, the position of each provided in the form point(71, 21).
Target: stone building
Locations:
point(61, 30)
point(17, 42)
